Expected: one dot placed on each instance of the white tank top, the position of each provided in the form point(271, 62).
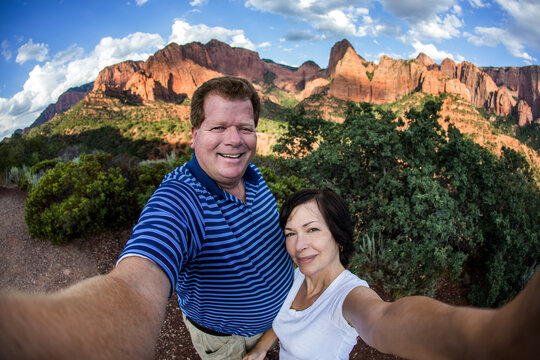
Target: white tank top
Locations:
point(320, 331)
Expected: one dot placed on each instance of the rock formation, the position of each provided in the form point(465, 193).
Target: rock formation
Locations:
point(174, 72)
point(349, 74)
point(64, 103)
point(523, 83)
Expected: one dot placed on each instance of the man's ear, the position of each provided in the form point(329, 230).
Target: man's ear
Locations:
point(193, 136)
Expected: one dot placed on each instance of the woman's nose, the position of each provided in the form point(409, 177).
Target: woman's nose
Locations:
point(301, 243)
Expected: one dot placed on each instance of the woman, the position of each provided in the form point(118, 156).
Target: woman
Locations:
point(328, 307)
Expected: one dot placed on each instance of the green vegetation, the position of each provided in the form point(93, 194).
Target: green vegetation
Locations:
point(92, 193)
point(429, 204)
point(369, 75)
point(78, 197)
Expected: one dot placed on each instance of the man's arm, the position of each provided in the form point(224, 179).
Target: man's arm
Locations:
point(115, 316)
point(423, 328)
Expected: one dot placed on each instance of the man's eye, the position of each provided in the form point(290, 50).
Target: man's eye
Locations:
point(247, 130)
point(218, 128)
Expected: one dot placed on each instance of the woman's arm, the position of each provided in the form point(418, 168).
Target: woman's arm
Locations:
point(423, 328)
point(264, 344)
point(115, 316)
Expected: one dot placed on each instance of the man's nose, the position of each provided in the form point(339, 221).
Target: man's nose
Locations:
point(233, 136)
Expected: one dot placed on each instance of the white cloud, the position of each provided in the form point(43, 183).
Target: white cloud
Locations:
point(69, 68)
point(437, 28)
point(431, 51)
point(456, 9)
point(414, 11)
point(337, 17)
point(492, 36)
point(486, 36)
point(198, 2)
point(183, 33)
point(141, 2)
point(263, 45)
point(31, 51)
point(477, 3)
point(6, 52)
point(525, 15)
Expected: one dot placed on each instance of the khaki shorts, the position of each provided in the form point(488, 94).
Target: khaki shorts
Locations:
point(210, 347)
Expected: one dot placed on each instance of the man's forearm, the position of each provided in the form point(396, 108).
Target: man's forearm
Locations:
point(102, 317)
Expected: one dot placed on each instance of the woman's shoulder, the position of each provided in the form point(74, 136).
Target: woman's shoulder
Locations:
point(350, 279)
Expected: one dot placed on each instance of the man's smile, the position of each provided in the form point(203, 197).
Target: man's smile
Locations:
point(231, 156)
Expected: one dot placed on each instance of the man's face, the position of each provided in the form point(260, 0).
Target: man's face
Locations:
point(226, 140)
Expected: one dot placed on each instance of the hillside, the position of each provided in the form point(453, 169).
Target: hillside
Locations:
point(142, 108)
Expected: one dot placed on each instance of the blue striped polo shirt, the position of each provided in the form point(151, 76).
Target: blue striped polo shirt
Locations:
point(226, 259)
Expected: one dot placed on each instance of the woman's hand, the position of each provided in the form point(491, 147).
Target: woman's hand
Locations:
point(255, 354)
point(266, 341)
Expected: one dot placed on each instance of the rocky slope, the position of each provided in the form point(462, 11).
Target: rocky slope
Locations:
point(64, 103)
point(175, 72)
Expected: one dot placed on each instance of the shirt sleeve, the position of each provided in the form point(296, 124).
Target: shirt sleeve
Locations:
point(169, 229)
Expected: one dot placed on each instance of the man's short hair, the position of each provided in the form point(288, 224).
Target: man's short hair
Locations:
point(228, 87)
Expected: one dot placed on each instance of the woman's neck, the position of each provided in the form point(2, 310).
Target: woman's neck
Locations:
point(314, 286)
point(320, 281)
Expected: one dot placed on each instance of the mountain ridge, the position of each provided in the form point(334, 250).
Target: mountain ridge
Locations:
point(174, 72)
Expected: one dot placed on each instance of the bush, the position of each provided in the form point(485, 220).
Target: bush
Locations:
point(78, 197)
point(149, 175)
point(91, 193)
point(281, 187)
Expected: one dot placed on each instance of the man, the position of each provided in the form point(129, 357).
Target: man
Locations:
point(210, 232)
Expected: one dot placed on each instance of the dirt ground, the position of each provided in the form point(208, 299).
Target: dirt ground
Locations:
point(36, 265)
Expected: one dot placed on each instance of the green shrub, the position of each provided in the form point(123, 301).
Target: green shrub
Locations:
point(281, 187)
point(149, 175)
point(79, 197)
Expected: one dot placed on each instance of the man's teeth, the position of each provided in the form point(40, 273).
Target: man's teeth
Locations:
point(231, 156)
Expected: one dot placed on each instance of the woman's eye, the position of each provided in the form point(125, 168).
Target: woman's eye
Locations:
point(289, 235)
point(312, 229)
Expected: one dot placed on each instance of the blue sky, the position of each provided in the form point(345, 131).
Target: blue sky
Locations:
point(49, 46)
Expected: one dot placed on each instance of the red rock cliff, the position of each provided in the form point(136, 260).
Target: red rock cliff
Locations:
point(175, 71)
point(523, 82)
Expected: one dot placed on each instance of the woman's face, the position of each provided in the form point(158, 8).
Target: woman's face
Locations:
point(309, 240)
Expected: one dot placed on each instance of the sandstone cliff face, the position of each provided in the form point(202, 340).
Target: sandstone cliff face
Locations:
point(523, 82)
point(116, 76)
point(480, 84)
point(524, 113)
point(394, 79)
point(435, 82)
point(350, 79)
point(501, 102)
point(174, 73)
point(427, 62)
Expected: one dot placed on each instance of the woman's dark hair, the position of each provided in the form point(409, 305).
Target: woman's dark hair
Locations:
point(335, 213)
point(228, 87)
